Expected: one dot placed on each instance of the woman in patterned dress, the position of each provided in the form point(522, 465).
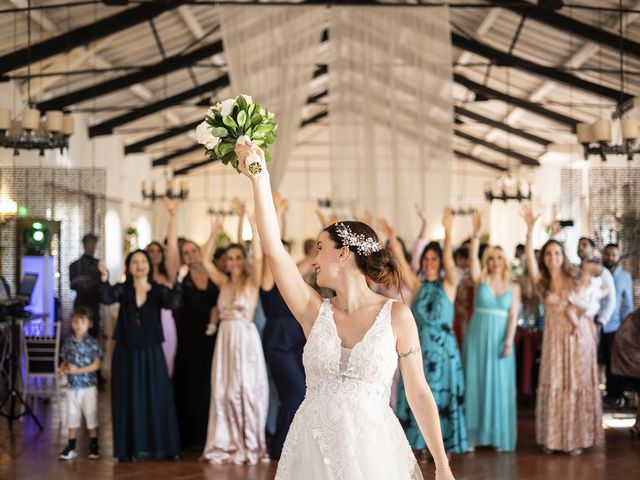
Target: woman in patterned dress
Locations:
point(568, 406)
point(433, 310)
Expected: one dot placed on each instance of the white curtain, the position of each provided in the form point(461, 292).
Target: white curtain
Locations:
point(391, 112)
point(271, 53)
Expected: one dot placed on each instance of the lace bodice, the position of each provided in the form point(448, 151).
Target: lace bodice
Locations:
point(345, 429)
point(370, 365)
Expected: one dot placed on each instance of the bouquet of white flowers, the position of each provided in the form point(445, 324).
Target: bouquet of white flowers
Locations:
point(233, 121)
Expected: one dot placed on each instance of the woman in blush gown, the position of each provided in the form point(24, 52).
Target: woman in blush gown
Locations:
point(345, 428)
point(239, 384)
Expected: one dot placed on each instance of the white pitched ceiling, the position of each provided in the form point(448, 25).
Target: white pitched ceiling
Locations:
point(180, 28)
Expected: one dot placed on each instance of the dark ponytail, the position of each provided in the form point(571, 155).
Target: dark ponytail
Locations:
point(380, 266)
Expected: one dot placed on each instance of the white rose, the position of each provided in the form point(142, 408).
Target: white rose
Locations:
point(247, 99)
point(203, 133)
point(212, 112)
point(212, 142)
point(226, 107)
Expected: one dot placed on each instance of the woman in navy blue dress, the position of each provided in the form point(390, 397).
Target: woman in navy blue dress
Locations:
point(282, 341)
point(143, 411)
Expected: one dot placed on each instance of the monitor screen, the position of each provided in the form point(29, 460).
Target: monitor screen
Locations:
point(27, 284)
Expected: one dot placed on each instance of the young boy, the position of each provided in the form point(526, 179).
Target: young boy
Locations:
point(81, 355)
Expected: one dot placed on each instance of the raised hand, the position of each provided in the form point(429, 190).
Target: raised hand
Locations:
point(216, 225)
point(171, 205)
point(321, 217)
point(447, 219)
point(385, 228)
point(238, 207)
point(279, 201)
point(104, 273)
point(243, 151)
point(476, 222)
point(420, 212)
point(529, 216)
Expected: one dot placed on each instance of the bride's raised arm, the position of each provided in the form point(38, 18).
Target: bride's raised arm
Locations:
point(301, 299)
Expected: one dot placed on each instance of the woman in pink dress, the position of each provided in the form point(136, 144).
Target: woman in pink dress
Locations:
point(239, 385)
point(165, 263)
point(569, 407)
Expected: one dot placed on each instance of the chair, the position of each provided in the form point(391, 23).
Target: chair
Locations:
point(42, 353)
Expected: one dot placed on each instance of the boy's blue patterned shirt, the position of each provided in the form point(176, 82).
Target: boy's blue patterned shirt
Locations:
point(81, 353)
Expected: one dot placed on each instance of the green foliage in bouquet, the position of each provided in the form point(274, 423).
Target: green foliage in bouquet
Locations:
point(246, 118)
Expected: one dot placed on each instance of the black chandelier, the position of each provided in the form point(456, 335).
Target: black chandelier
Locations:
point(169, 192)
point(507, 188)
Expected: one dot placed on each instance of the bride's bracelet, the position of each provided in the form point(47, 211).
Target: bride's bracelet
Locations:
point(443, 469)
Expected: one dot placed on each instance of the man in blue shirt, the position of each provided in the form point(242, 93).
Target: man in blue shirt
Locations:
point(624, 306)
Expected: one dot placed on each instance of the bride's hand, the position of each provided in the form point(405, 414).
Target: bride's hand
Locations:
point(243, 151)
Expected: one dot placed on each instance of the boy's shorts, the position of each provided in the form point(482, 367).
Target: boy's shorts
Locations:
point(82, 401)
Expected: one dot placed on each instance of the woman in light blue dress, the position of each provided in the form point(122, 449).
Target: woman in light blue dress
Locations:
point(487, 350)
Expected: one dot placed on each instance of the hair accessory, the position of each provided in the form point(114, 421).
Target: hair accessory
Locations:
point(363, 245)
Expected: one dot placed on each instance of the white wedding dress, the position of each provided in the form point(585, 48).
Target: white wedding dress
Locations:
point(344, 428)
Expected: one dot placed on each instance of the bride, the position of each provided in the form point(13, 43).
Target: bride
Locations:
point(344, 428)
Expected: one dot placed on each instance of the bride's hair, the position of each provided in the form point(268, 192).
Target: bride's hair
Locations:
point(380, 266)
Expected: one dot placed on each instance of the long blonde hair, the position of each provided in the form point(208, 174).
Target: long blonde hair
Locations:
point(506, 271)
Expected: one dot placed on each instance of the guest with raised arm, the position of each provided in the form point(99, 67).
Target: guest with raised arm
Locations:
point(568, 403)
point(487, 349)
point(239, 385)
point(192, 371)
point(349, 359)
point(433, 310)
point(165, 262)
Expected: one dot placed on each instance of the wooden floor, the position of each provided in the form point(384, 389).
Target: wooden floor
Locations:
point(29, 455)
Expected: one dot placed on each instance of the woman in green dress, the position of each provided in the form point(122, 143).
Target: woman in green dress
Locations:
point(433, 310)
point(487, 349)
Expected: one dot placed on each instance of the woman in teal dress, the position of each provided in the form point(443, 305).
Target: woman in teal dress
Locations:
point(487, 350)
point(433, 310)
